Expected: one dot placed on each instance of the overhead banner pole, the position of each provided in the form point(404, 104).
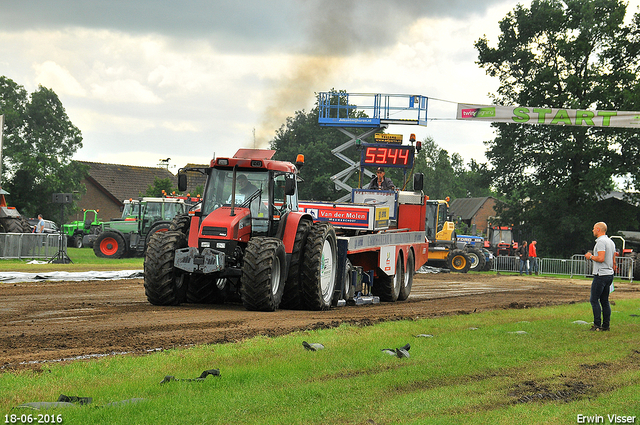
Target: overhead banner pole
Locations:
point(548, 116)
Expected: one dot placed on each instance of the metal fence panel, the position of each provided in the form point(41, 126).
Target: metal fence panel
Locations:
point(576, 266)
point(557, 266)
point(504, 263)
point(30, 245)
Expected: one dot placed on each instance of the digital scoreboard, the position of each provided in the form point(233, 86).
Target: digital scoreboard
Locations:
point(386, 155)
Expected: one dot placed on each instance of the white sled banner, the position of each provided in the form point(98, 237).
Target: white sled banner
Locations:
point(548, 116)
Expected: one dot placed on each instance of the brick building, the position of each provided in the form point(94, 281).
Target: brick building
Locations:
point(108, 185)
point(474, 212)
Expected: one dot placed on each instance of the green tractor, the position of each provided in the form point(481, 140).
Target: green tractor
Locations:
point(129, 235)
point(77, 230)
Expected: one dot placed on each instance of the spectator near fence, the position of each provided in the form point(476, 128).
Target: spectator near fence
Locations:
point(523, 253)
point(533, 258)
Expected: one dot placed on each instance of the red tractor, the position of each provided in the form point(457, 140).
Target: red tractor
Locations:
point(247, 240)
point(500, 240)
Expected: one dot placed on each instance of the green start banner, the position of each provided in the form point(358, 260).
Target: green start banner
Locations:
point(548, 116)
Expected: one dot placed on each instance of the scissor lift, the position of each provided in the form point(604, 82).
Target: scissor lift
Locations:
point(366, 110)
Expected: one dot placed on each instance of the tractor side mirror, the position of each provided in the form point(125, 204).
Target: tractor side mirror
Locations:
point(418, 182)
point(182, 182)
point(289, 185)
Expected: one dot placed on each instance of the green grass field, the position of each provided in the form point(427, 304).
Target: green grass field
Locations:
point(499, 367)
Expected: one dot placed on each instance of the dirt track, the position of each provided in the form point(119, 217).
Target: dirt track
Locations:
point(62, 320)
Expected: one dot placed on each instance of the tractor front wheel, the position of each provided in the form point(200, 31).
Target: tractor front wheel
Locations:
point(77, 240)
point(263, 274)
point(458, 261)
point(110, 245)
point(163, 283)
point(476, 257)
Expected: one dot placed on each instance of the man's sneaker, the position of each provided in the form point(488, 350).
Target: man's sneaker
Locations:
point(602, 329)
point(595, 328)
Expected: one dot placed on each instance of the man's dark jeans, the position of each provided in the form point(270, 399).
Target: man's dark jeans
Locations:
point(600, 300)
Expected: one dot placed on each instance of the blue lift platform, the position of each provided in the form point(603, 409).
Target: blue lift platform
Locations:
point(365, 110)
point(371, 110)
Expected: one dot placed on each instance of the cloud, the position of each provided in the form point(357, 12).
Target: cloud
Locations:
point(250, 25)
point(124, 91)
point(50, 74)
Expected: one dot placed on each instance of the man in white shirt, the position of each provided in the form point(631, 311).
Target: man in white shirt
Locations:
point(40, 225)
point(602, 257)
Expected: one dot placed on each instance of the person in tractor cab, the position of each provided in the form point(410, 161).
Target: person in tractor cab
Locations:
point(245, 186)
point(380, 182)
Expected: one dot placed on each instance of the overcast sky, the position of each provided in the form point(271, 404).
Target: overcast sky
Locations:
point(146, 80)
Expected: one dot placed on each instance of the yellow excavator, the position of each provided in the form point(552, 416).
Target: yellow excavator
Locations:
point(441, 234)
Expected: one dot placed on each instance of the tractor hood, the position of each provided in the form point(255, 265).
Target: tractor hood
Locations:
point(220, 224)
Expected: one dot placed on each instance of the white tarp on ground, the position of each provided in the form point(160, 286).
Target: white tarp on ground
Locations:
point(15, 277)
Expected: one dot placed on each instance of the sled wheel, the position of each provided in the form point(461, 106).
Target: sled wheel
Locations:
point(407, 281)
point(387, 287)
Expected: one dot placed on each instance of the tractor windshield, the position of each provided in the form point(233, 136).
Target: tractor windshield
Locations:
point(249, 184)
point(130, 209)
point(501, 236)
point(431, 219)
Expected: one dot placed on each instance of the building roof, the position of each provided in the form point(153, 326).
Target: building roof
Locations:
point(621, 196)
point(121, 182)
point(466, 208)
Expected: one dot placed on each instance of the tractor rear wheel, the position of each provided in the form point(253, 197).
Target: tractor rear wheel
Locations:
point(14, 225)
point(407, 281)
point(110, 245)
point(263, 274)
point(388, 287)
point(319, 267)
point(163, 283)
point(292, 296)
point(458, 261)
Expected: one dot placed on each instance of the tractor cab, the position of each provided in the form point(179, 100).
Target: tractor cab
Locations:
point(246, 195)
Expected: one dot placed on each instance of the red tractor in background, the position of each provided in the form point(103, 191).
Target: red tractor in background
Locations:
point(500, 240)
